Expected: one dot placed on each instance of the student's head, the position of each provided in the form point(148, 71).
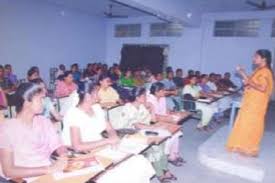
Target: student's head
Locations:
point(198, 73)
point(204, 78)
point(99, 70)
point(8, 69)
point(137, 73)
point(67, 77)
point(262, 58)
point(104, 81)
point(158, 76)
point(170, 75)
point(2, 73)
point(138, 95)
point(35, 68)
point(191, 72)
point(179, 73)
point(212, 77)
point(227, 75)
point(89, 66)
point(33, 73)
point(128, 73)
point(74, 67)
point(40, 82)
point(88, 94)
point(29, 98)
point(218, 77)
point(62, 67)
point(168, 69)
point(158, 89)
point(193, 79)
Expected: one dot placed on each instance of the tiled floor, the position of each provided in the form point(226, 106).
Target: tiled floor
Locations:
point(194, 172)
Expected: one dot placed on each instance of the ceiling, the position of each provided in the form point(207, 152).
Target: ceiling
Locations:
point(96, 7)
point(208, 6)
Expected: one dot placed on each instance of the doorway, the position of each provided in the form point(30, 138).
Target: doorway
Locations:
point(152, 57)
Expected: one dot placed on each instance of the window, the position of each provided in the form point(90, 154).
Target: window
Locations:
point(128, 30)
point(273, 29)
point(165, 29)
point(237, 28)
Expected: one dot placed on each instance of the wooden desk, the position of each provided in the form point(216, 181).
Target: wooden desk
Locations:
point(75, 179)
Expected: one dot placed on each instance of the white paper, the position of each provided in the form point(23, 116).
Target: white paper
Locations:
point(84, 171)
point(111, 153)
point(131, 146)
point(204, 100)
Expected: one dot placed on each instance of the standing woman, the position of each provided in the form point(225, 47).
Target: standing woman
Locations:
point(248, 130)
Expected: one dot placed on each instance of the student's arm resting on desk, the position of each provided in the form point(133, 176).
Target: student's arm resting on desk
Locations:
point(14, 172)
point(79, 145)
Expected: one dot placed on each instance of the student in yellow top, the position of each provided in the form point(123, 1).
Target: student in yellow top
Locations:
point(107, 95)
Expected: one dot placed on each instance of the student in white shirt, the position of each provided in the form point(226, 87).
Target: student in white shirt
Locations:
point(83, 126)
point(207, 110)
point(211, 83)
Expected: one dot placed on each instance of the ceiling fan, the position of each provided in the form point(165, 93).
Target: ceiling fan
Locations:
point(263, 5)
point(109, 13)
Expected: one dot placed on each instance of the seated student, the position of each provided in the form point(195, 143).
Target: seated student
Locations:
point(205, 88)
point(136, 115)
point(83, 126)
point(76, 73)
point(198, 74)
point(3, 105)
point(196, 92)
point(65, 85)
point(114, 74)
point(186, 79)
point(48, 107)
point(178, 79)
point(27, 141)
point(5, 83)
point(226, 81)
point(138, 79)
point(61, 70)
point(172, 95)
point(220, 85)
point(157, 100)
point(212, 82)
point(88, 72)
point(107, 95)
point(98, 72)
point(127, 79)
point(10, 75)
point(156, 77)
point(3, 99)
point(33, 73)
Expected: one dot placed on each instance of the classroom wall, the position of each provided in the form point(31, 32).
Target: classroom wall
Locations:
point(198, 48)
point(184, 51)
point(227, 52)
point(36, 33)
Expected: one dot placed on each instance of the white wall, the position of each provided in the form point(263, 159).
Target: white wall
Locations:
point(36, 33)
point(184, 51)
point(198, 48)
point(227, 52)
